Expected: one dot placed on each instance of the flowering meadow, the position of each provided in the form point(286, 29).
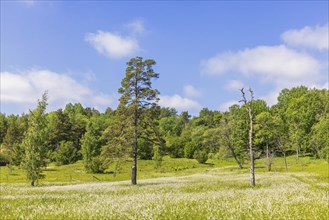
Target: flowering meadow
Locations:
point(211, 195)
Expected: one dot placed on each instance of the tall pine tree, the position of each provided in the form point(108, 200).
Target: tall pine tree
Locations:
point(137, 94)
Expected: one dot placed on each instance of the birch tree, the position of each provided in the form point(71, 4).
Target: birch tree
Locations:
point(35, 142)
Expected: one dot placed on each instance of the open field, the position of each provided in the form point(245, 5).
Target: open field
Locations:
point(195, 191)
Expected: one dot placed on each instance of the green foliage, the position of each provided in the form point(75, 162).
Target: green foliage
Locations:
point(201, 156)
point(35, 142)
point(66, 153)
point(145, 149)
point(157, 157)
point(59, 128)
point(16, 127)
point(78, 120)
point(175, 146)
point(95, 165)
point(189, 149)
point(117, 138)
point(320, 138)
point(3, 127)
point(232, 133)
point(92, 144)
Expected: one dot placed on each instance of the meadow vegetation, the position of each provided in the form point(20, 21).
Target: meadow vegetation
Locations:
point(79, 160)
point(180, 189)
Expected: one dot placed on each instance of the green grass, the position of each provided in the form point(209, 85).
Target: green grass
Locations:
point(180, 189)
point(75, 173)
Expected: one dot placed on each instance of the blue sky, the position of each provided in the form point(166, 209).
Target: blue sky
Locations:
point(205, 51)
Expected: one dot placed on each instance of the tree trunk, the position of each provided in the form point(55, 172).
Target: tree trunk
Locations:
point(285, 161)
point(296, 141)
point(235, 157)
point(269, 162)
point(319, 153)
point(32, 182)
point(297, 154)
point(251, 152)
point(252, 162)
point(134, 153)
point(134, 161)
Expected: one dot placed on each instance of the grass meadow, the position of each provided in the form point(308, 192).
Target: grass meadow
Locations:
point(180, 189)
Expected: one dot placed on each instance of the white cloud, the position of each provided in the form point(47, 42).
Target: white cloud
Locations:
point(178, 103)
point(25, 88)
point(136, 26)
point(234, 85)
point(310, 37)
point(277, 64)
point(112, 45)
point(192, 92)
point(116, 45)
point(226, 105)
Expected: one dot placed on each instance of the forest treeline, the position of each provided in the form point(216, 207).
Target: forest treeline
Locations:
point(140, 129)
point(298, 124)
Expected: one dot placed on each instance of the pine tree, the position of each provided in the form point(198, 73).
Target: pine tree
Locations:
point(137, 94)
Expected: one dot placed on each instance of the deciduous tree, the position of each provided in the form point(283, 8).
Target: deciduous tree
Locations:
point(35, 142)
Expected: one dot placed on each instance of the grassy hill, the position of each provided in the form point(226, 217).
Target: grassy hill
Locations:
point(180, 189)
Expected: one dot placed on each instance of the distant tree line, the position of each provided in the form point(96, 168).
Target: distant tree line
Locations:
point(298, 124)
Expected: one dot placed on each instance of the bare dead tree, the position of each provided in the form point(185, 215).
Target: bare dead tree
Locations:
point(248, 105)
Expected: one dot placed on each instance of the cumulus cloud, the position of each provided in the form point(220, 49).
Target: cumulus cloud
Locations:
point(277, 64)
point(24, 88)
point(234, 85)
point(116, 45)
point(191, 91)
point(280, 66)
point(310, 37)
point(112, 45)
point(178, 103)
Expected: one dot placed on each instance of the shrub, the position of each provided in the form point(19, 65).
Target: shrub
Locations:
point(4, 159)
point(95, 165)
point(189, 150)
point(66, 153)
point(157, 157)
point(200, 156)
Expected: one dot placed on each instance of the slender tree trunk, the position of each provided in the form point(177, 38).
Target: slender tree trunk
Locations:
point(269, 162)
point(134, 153)
point(297, 154)
point(285, 161)
point(134, 161)
point(32, 182)
point(252, 162)
point(319, 153)
point(297, 144)
point(235, 157)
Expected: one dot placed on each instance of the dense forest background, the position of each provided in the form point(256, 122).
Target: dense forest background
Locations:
point(298, 124)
